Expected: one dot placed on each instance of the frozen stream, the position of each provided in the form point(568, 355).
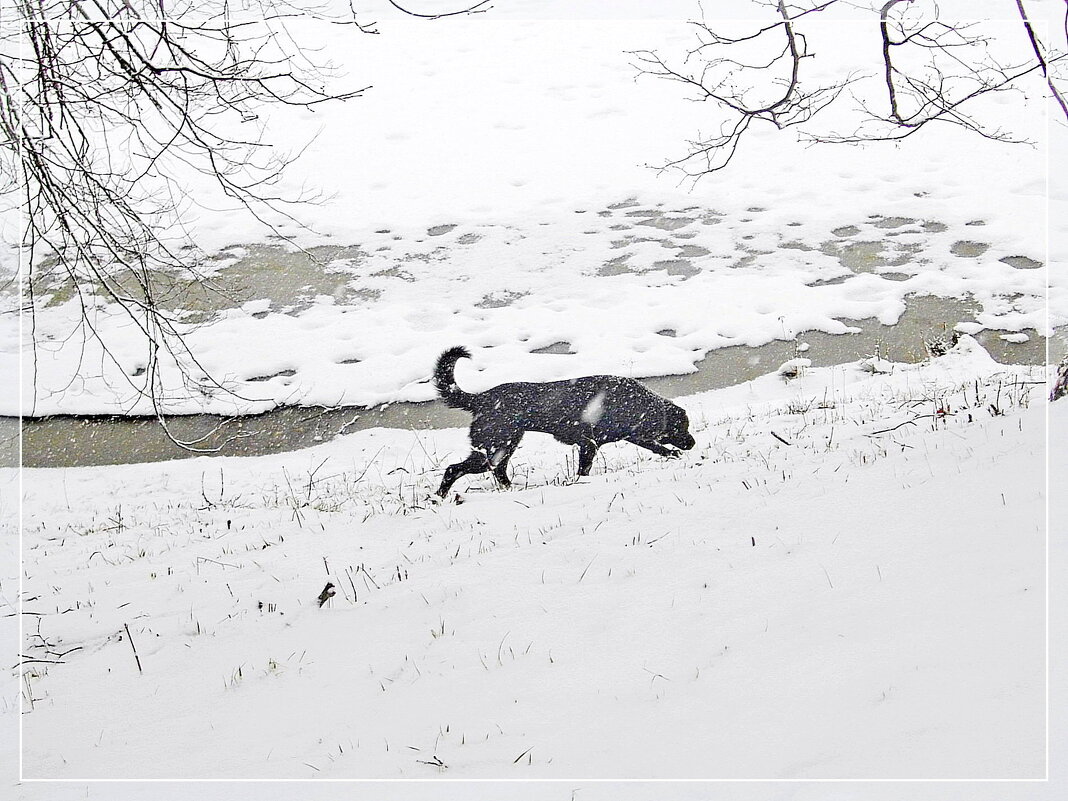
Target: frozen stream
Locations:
point(68, 441)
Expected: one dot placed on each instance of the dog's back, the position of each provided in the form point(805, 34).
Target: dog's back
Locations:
point(572, 408)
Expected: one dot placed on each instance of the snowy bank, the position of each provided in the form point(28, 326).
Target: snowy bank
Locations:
point(844, 579)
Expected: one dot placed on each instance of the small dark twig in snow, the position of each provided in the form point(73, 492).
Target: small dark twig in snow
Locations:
point(327, 593)
point(213, 561)
point(828, 575)
point(584, 571)
point(26, 660)
point(435, 761)
point(655, 675)
point(134, 647)
point(501, 647)
point(905, 423)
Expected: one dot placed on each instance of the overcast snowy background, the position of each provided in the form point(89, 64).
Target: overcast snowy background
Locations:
point(865, 602)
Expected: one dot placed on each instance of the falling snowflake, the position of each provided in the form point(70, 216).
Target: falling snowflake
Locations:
point(594, 409)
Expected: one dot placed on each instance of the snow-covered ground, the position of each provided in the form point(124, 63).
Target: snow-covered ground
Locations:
point(852, 605)
point(864, 602)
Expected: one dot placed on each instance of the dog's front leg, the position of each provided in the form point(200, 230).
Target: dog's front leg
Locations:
point(587, 453)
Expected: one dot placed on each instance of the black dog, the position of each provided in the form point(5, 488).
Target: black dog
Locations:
point(587, 412)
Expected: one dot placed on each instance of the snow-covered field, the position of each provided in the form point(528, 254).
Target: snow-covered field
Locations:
point(866, 601)
point(846, 579)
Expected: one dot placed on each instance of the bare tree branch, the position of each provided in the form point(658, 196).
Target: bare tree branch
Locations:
point(1036, 45)
point(730, 80)
point(477, 8)
point(931, 71)
point(109, 110)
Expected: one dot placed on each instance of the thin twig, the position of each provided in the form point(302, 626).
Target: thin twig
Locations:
point(134, 647)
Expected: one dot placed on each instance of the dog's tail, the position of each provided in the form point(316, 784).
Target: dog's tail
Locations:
point(445, 379)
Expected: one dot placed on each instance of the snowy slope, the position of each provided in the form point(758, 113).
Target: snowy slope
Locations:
point(855, 604)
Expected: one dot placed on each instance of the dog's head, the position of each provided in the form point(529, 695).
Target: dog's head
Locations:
point(676, 433)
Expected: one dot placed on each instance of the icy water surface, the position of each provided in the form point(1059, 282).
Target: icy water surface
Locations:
point(279, 280)
point(288, 280)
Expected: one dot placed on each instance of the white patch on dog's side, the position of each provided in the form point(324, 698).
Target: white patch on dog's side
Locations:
point(594, 409)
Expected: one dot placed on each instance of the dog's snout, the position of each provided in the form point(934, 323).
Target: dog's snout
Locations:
point(680, 439)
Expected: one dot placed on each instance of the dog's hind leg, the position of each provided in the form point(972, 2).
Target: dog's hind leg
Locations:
point(499, 459)
point(587, 453)
point(477, 462)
